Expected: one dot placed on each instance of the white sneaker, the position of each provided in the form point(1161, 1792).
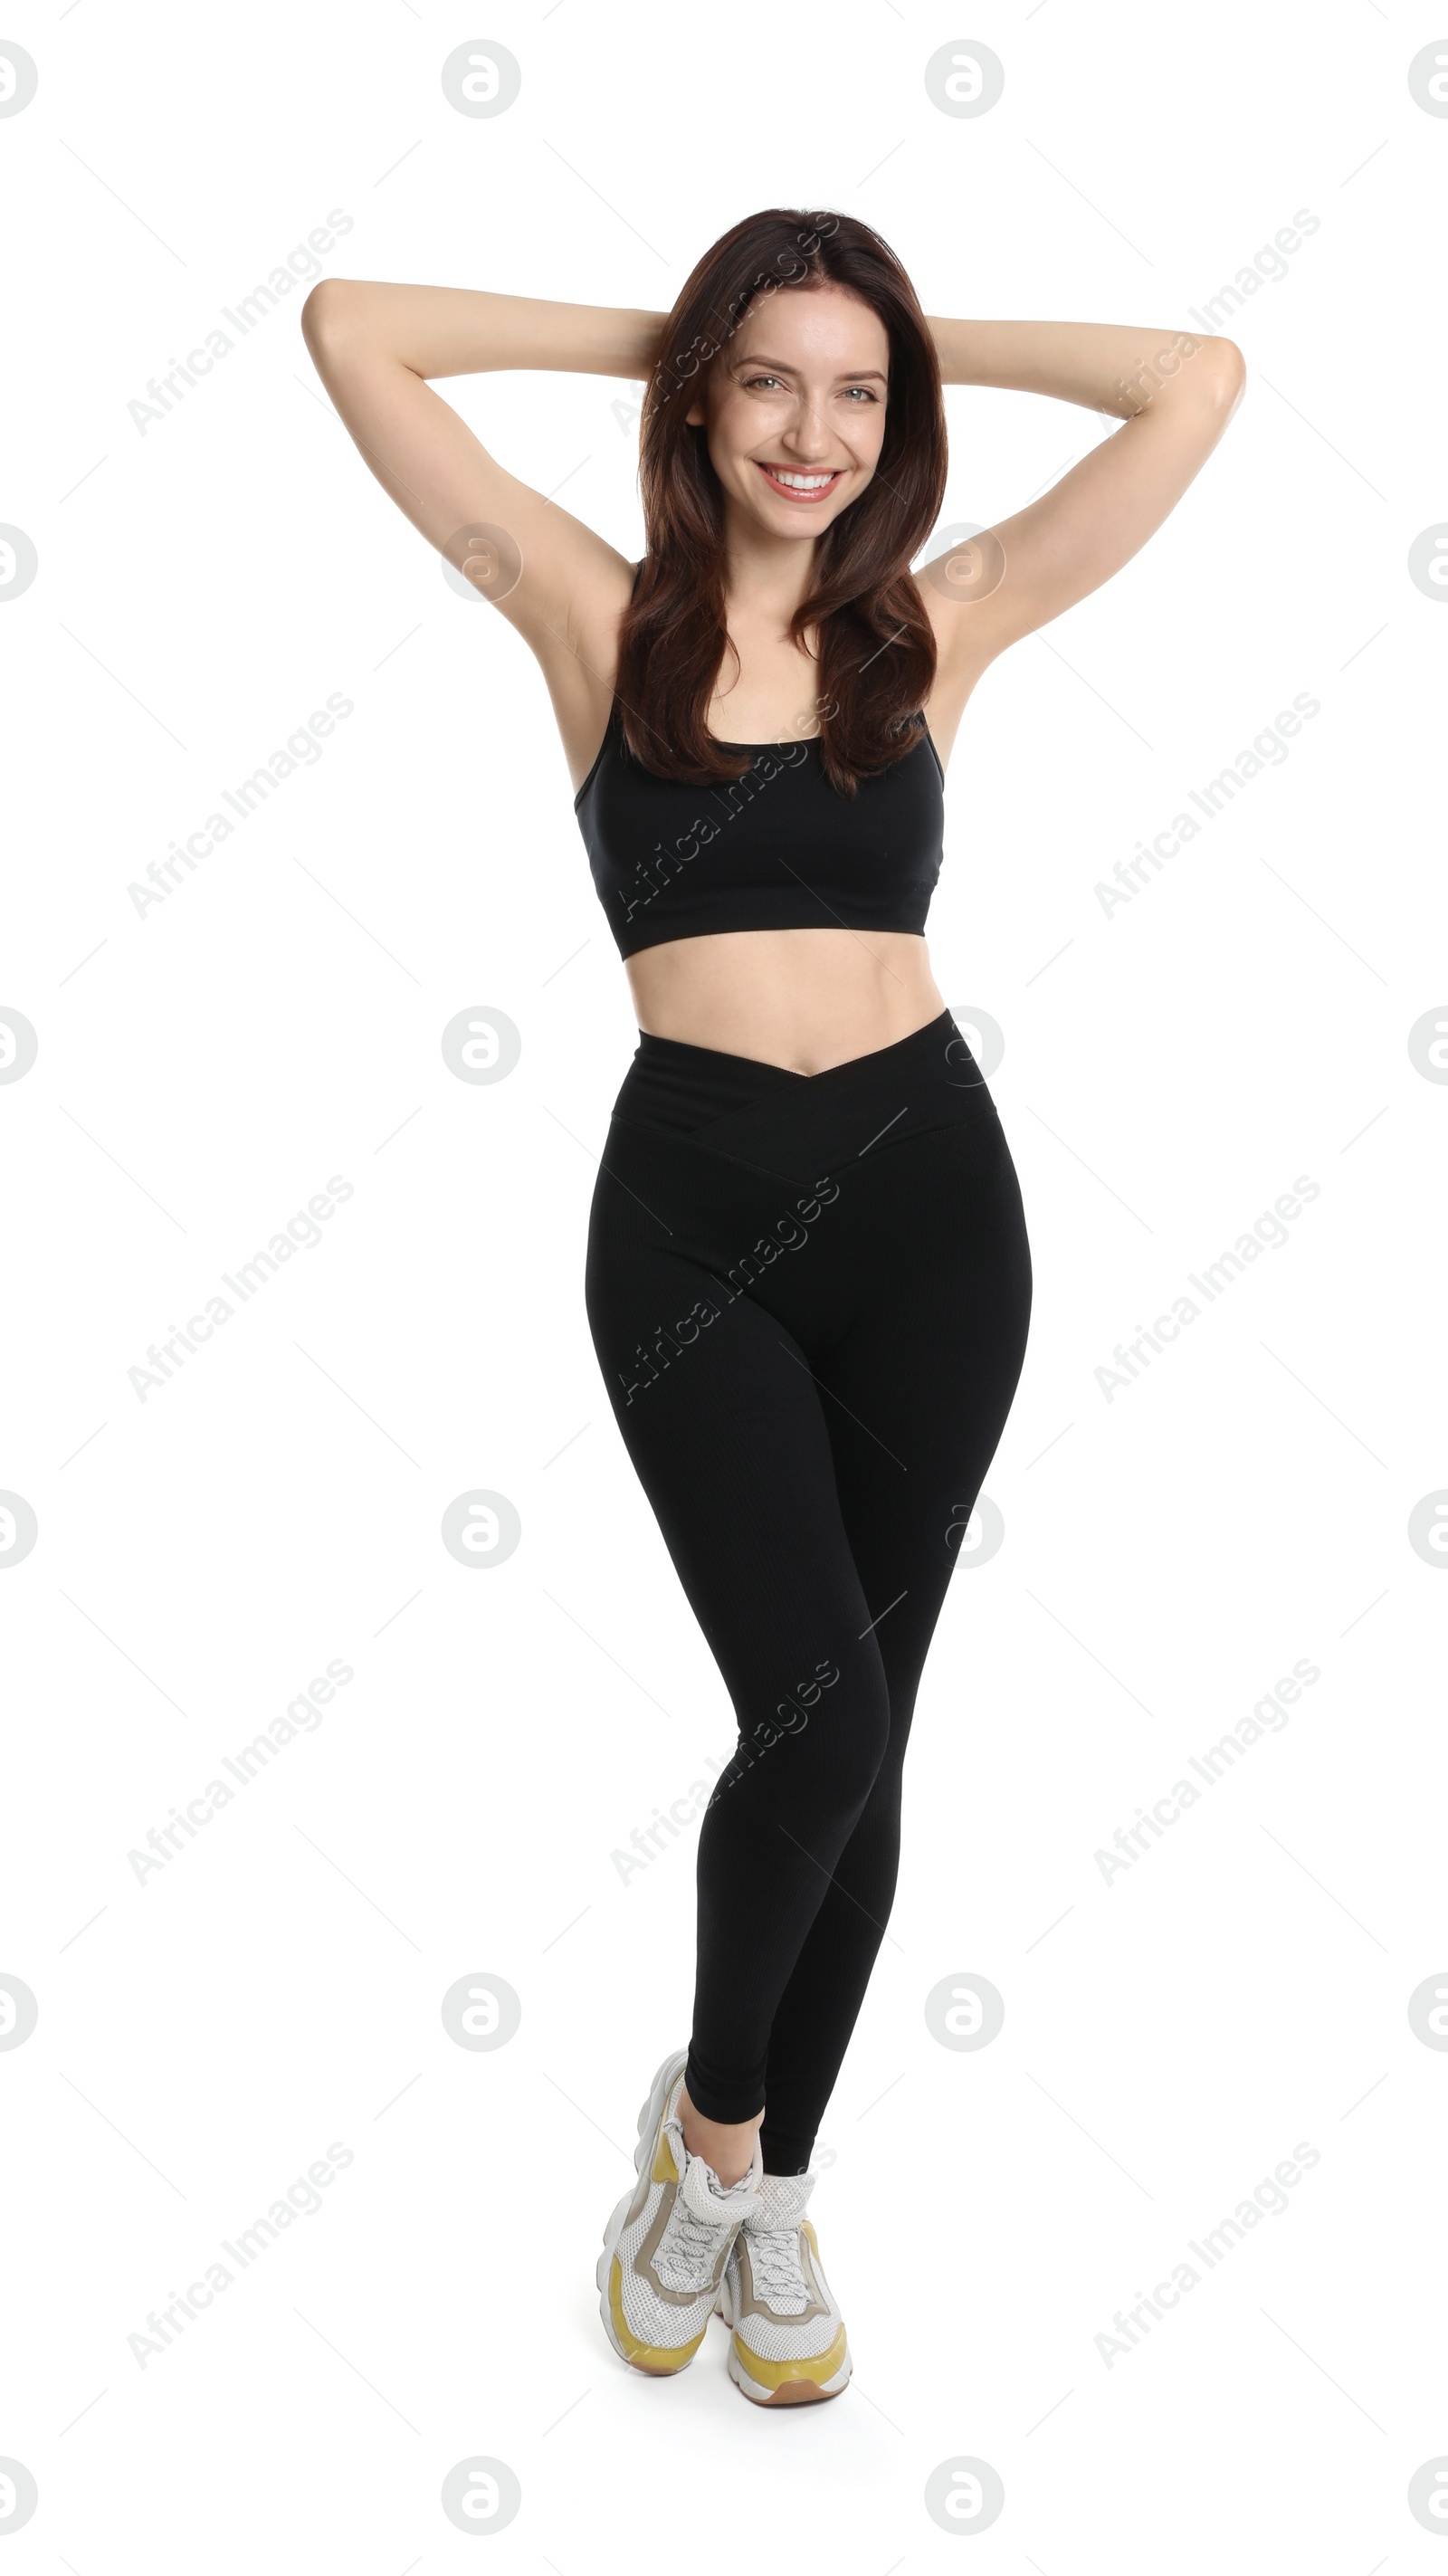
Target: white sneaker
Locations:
point(666, 2245)
point(788, 2343)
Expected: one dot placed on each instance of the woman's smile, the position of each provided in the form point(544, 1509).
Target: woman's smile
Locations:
point(796, 486)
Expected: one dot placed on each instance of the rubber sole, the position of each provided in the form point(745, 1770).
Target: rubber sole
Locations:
point(789, 2392)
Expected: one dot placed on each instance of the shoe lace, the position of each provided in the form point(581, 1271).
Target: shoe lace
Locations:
point(692, 2249)
point(774, 2260)
point(689, 2249)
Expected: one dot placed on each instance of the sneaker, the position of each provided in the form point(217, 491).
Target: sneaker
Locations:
point(666, 2245)
point(788, 2342)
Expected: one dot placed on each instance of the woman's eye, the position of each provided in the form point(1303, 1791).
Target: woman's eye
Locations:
point(861, 393)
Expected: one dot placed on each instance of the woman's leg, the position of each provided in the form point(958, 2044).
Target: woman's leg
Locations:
point(727, 2145)
point(724, 1425)
point(916, 1396)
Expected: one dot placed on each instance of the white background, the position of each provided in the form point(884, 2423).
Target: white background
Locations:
point(1170, 1068)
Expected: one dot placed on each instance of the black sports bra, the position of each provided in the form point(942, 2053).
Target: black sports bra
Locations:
point(775, 849)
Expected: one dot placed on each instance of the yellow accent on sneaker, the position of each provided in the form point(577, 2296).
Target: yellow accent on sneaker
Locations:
point(819, 2366)
point(660, 2359)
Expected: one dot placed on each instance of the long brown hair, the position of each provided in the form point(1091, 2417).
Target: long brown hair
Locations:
point(875, 642)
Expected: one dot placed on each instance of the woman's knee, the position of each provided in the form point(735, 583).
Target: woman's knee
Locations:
point(847, 1733)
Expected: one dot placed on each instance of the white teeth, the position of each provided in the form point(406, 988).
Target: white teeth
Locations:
point(800, 482)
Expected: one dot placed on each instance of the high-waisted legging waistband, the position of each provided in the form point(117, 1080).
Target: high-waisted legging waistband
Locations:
point(927, 1079)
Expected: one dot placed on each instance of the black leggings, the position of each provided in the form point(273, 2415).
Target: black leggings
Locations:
point(809, 1296)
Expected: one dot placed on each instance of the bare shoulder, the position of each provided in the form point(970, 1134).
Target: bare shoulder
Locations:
point(959, 665)
point(573, 632)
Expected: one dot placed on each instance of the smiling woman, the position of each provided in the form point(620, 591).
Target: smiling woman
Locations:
point(755, 718)
point(811, 458)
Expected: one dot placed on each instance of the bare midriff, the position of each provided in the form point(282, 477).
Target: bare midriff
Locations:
point(802, 999)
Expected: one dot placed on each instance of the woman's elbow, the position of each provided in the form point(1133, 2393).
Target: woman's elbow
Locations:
point(1229, 371)
point(325, 313)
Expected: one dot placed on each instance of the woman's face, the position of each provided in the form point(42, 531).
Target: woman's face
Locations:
point(794, 406)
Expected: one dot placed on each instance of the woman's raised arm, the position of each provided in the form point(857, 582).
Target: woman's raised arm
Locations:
point(1176, 394)
point(564, 587)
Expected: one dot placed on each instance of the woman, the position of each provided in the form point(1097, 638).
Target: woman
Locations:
point(808, 1278)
